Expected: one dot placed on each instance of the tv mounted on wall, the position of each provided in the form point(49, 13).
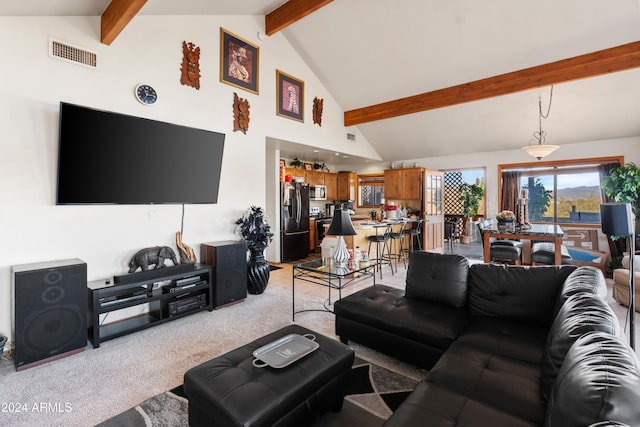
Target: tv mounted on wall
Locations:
point(112, 158)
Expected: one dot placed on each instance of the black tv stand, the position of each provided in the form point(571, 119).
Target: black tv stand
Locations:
point(170, 292)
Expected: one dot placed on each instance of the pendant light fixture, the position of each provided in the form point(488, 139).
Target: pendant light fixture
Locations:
point(537, 148)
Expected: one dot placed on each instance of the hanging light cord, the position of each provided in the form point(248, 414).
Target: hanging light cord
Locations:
point(540, 134)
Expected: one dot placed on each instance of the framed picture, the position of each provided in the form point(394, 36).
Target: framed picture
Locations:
point(282, 163)
point(290, 100)
point(308, 166)
point(239, 61)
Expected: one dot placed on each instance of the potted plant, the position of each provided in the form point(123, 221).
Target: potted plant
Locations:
point(297, 163)
point(470, 196)
point(255, 230)
point(623, 186)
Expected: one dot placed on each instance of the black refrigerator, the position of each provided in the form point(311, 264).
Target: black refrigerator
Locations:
point(294, 221)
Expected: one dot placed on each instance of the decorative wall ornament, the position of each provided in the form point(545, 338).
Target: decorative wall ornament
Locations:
point(190, 70)
point(290, 96)
point(240, 114)
point(317, 110)
point(239, 61)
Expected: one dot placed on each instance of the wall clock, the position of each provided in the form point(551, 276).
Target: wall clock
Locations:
point(146, 94)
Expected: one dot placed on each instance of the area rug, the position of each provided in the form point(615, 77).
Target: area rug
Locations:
point(374, 393)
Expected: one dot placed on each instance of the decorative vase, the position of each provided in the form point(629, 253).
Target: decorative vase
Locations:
point(257, 271)
point(506, 224)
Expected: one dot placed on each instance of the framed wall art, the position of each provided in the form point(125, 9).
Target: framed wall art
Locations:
point(290, 100)
point(308, 166)
point(239, 62)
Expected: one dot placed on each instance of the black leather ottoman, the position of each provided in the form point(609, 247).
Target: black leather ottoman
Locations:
point(230, 391)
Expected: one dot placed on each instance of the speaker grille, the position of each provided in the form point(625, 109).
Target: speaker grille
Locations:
point(72, 54)
point(52, 331)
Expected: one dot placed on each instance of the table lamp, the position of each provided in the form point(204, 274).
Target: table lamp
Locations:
point(341, 226)
point(618, 220)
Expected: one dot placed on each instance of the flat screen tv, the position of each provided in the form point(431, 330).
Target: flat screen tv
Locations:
point(112, 158)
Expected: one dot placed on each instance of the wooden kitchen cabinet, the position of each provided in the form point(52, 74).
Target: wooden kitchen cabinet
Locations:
point(403, 184)
point(331, 181)
point(347, 182)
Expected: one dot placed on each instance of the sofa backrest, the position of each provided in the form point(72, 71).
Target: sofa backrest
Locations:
point(599, 381)
point(584, 279)
point(582, 312)
point(526, 294)
point(439, 278)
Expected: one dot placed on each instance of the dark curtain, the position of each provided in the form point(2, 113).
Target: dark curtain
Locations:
point(605, 170)
point(510, 190)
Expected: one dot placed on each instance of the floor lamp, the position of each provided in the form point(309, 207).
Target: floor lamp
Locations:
point(618, 220)
point(341, 226)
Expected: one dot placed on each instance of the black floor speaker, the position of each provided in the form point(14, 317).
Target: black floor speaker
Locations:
point(229, 262)
point(49, 302)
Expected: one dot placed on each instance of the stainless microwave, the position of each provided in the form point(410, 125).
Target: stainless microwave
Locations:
point(317, 192)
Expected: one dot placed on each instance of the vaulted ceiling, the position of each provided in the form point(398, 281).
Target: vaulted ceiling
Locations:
point(424, 78)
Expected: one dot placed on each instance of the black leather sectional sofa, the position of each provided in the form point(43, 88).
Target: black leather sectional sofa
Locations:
point(504, 345)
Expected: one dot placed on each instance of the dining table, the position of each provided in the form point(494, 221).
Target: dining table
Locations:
point(534, 232)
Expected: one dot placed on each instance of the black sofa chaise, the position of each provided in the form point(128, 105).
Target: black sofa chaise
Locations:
point(504, 345)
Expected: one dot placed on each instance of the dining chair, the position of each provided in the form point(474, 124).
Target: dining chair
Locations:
point(501, 250)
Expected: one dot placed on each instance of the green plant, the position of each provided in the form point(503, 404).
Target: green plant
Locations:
point(623, 186)
point(254, 228)
point(470, 196)
point(539, 199)
point(318, 166)
point(296, 163)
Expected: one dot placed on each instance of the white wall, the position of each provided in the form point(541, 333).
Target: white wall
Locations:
point(149, 50)
point(627, 147)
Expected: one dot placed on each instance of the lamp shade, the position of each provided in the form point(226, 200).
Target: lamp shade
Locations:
point(341, 224)
point(540, 150)
point(617, 219)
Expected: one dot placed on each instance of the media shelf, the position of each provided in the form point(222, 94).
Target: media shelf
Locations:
point(170, 293)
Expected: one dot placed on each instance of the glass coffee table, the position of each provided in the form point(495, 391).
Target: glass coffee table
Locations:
point(324, 273)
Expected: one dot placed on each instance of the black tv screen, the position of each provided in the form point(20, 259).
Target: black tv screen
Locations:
point(112, 158)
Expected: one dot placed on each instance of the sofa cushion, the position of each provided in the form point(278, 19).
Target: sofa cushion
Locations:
point(517, 340)
point(584, 279)
point(599, 381)
point(435, 406)
point(438, 278)
point(504, 383)
point(385, 308)
point(581, 313)
point(525, 294)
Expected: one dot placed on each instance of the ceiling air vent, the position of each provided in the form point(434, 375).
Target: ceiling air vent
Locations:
point(351, 137)
point(66, 52)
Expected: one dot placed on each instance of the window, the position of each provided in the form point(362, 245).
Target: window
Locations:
point(562, 192)
point(452, 181)
point(370, 190)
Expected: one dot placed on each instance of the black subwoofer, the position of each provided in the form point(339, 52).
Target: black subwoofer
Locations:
point(49, 302)
point(229, 262)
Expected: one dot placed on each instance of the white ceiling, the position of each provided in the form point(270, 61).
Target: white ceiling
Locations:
point(371, 51)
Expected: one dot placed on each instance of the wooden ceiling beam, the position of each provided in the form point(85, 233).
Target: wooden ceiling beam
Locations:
point(290, 12)
point(619, 58)
point(116, 16)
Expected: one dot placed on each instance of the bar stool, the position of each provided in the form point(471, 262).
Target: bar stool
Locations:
point(383, 252)
point(415, 232)
point(398, 238)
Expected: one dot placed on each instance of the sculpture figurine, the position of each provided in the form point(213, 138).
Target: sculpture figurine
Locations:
point(154, 255)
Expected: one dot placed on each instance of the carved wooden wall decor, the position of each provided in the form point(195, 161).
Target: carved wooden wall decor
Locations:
point(240, 114)
point(317, 110)
point(190, 72)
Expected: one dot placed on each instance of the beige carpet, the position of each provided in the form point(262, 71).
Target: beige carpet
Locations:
point(90, 387)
